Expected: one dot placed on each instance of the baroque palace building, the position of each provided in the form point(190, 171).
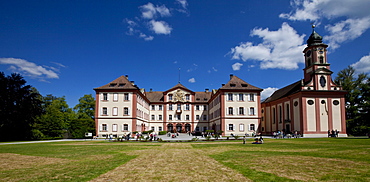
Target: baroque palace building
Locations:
point(310, 106)
point(122, 107)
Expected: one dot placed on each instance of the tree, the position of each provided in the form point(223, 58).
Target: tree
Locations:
point(56, 118)
point(85, 111)
point(86, 107)
point(20, 104)
point(357, 99)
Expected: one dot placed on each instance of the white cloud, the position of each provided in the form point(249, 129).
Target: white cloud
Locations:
point(362, 66)
point(356, 16)
point(236, 66)
point(349, 29)
point(191, 80)
point(276, 50)
point(149, 11)
point(146, 37)
point(183, 3)
point(160, 27)
point(29, 68)
point(267, 92)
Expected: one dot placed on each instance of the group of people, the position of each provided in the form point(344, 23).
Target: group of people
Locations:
point(283, 134)
point(173, 135)
point(333, 133)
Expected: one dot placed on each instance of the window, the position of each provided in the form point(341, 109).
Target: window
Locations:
point(125, 127)
point(153, 129)
point(178, 107)
point(231, 112)
point(187, 107)
point(187, 117)
point(178, 117)
point(241, 110)
point(251, 111)
point(153, 117)
point(115, 111)
point(170, 97)
point(251, 127)
point(230, 97)
point(204, 128)
point(125, 111)
point(159, 128)
point(170, 107)
point(287, 112)
point(104, 127)
point(105, 96)
point(114, 127)
point(231, 127)
point(170, 117)
point(273, 115)
point(115, 97)
point(197, 107)
point(251, 97)
point(197, 128)
point(280, 115)
point(126, 96)
point(204, 117)
point(187, 97)
point(321, 59)
point(241, 127)
point(153, 107)
point(197, 117)
point(160, 117)
point(160, 107)
point(105, 111)
point(241, 97)
point(204, 107)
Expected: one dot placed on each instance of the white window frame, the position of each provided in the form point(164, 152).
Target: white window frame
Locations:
point(115, 111)
point(114, 128)
point(115, 97)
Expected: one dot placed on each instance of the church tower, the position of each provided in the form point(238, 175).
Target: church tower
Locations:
point(317, 73)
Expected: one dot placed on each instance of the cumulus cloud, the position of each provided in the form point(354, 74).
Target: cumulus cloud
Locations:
point(149, 11)
point(275, 51)
point(236, 66)
point(191, 80)
point(267, 92)
point(29, 68)
point(362, 66)
point(160, 27)
point(183, 3)
point(346, 30)
point(355, 13)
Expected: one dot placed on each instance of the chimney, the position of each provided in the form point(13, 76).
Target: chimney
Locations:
point(207, 90)
point(126, 76)
point(223, 84)
point(151, 89)
point(231, 76)
point(133, 82)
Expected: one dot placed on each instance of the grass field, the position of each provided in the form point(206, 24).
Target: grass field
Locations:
point(324, 159)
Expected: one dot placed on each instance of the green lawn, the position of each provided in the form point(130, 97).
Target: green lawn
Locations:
point(325, 159)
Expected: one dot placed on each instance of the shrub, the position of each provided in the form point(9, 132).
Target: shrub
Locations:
point(162, 133)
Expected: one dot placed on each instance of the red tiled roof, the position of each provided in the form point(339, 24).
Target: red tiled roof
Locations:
point(237, 84)
point(119, 83)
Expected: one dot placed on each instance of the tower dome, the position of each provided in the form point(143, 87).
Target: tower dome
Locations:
point(314, 39)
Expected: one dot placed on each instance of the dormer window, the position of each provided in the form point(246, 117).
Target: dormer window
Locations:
point(170, 97)
point(244, 85)
point(232, 85)
point(121, 85)
point(112, 84)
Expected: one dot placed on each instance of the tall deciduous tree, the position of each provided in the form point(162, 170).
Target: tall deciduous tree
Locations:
point(357, 100)
point(20, 104)
point(86, 107)
point(84, 123)
point(56, 118)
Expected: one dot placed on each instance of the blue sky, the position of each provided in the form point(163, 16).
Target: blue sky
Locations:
point(67, 48)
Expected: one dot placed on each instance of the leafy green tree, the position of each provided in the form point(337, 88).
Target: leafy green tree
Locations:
point(357, 100)
point(20, 104)
point(81, 126)
point(56, 118)
point(86, 107)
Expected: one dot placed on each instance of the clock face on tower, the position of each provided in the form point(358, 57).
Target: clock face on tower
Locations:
point(322, 81)
point(321, 50)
